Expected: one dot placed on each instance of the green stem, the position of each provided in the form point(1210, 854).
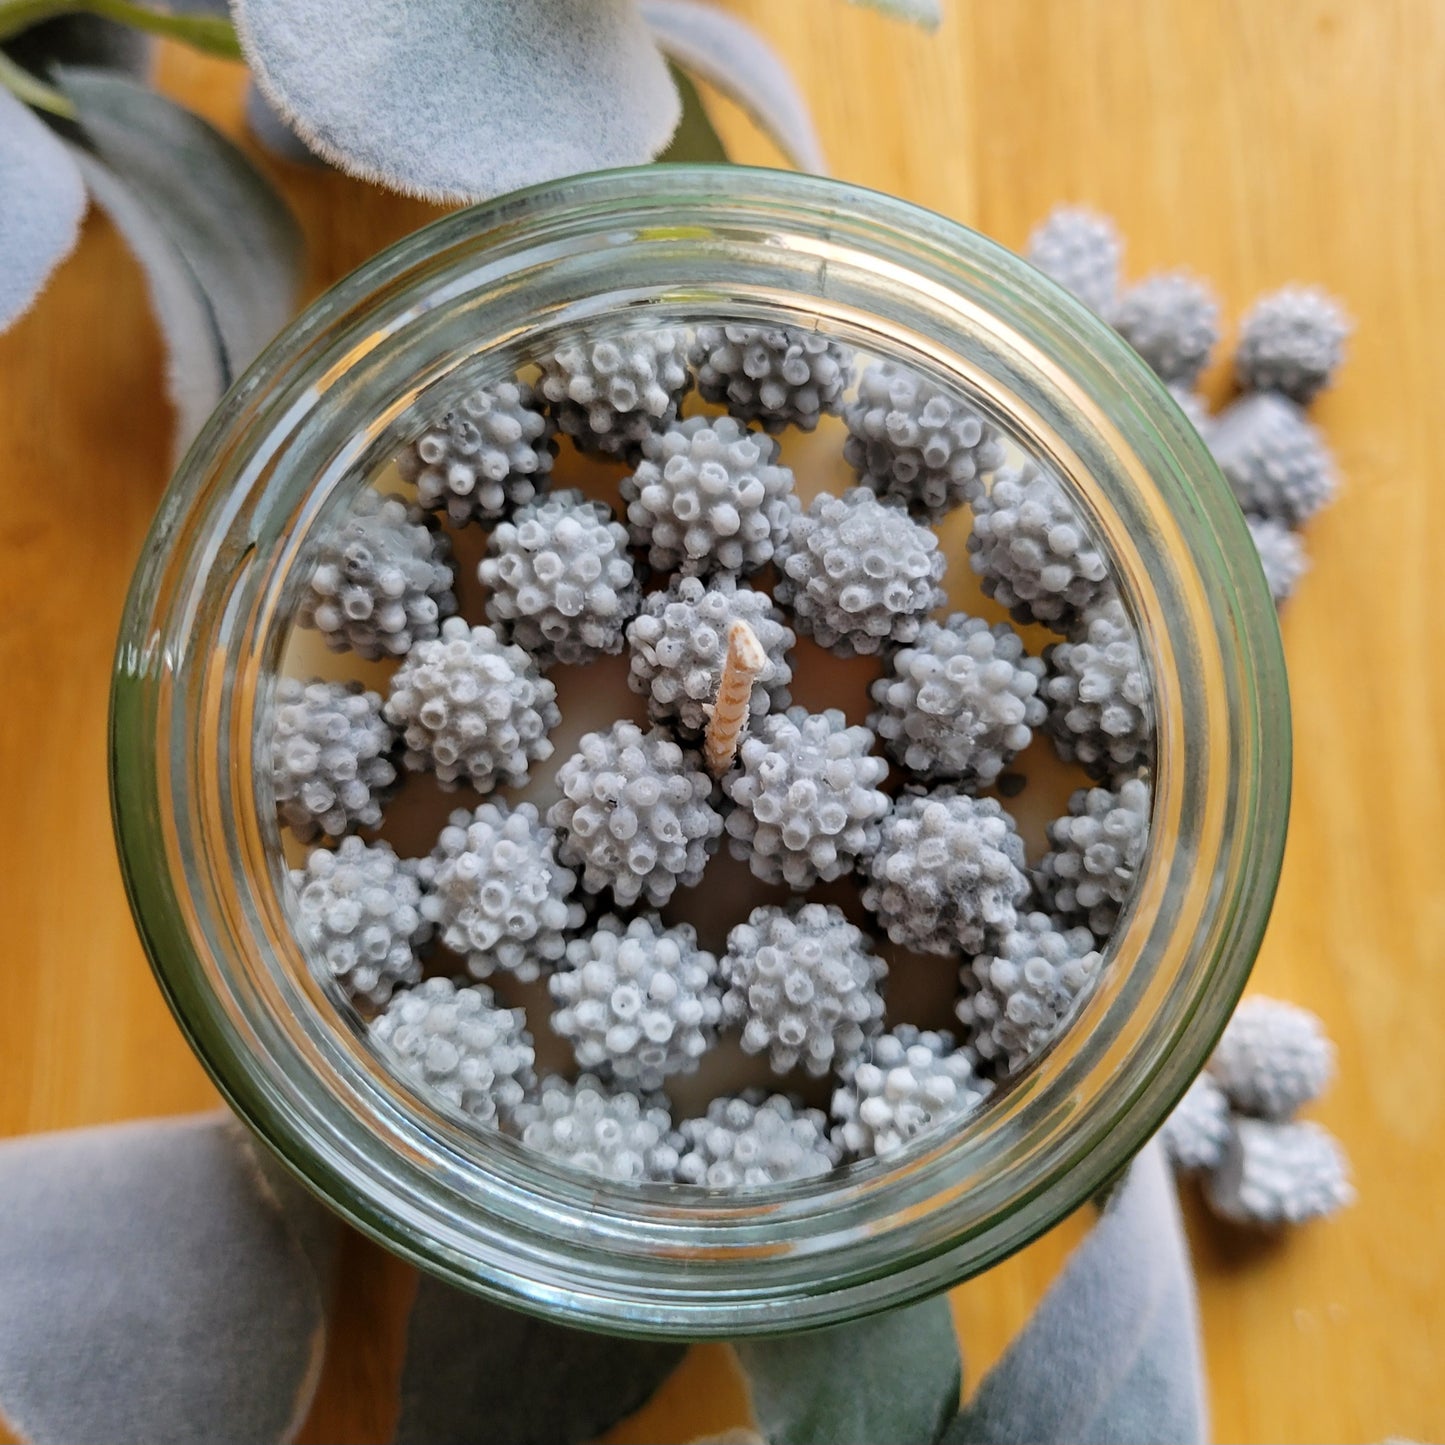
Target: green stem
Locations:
point(210, 33)
point(33, 91)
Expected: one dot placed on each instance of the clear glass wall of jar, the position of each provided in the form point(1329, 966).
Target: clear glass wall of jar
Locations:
point(474, 295)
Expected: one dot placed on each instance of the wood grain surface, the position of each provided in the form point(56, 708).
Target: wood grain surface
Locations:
point(1256, 141)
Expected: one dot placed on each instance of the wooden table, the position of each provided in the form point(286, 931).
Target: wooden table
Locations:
point(1257, 141)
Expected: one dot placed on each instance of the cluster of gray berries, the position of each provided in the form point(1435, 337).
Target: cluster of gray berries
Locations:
point(1236, 1127)
point(1288, 349)
point(583, 892)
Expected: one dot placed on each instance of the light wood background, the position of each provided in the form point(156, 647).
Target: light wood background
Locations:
point(1256, 141)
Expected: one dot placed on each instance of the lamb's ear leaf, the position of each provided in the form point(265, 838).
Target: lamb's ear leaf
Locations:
point(153, 1287)
point(724, 51)
point(235, 233)
point(891, 1379)
point(475, 1370)
point(80, 40)
point(196, 372)
point(43, 203)
point(1112, 1352)
point(272, 133)
point(456, 100)
point(694, 141)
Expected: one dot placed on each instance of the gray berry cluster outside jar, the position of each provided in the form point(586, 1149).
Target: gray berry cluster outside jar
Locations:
point(465, 303)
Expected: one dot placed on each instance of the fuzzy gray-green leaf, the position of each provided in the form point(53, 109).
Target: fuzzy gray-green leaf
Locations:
point(234, 232)
point(1112, 1352)
point(44, 201)
point(891, 1379)
point(476, 1371)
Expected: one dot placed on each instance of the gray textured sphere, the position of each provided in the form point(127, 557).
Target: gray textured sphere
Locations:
point(609, 1134)
point(680, 638)
point(1032, 550)
point(858, 573)
point(916, 442)
point(1196, 1134)
point(807, 797)
point(1094, 856)
point(560, 580)
point(497, 894)
point(803, 985)
point(610, 393)
point(1276, 463)
point(1273, 1058)
point(356, 912)
point(1276, 1174)
point(490, 453)
point(1080, 250)
point(959, 703)
point(1172, 321)
point(456, 1042)
point(708, 497)
point(904, 1084)
point(638, 1002)
point(635, 814)
point(1016, 999)
point(330, 761)
point(1291, 341)
point(472, 709)
point(771, 376)
point(753, 1141)
point(947, 874)
point(382, 581)
point(1101, 707)
point(1281, 554)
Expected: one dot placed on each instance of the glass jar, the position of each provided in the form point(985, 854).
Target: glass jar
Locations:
point(337, 393)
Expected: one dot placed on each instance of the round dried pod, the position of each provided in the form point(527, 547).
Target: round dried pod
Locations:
point(1094, 856)
point(947, 873)
point(560, 580)
point(708, 497)
point(1276, 463)
point(1033, 552)
point(752, 1141)
point(1080, 250)
point(635, 814)
point(1281, 554)
point(356, 913)
point(1275, 1174)
point(330, 761)
point(807, 797)
point(679, 640)
point(490, 453)
point(638, 1002)
point(382, 581)
point(916, 442)
point(1196, 1134)
point(1291, 341)
point(960, 702)
point(1101, 707)
point(496, 893)
point(609, 1134)
point(803, 985)
point(472, 709)
point(1018, 998)
point(1273, 1058)
point(1172, 321)
point(903, 1084)
point(771, 376)
point(610, 393)
point(456, 1042)
point(858, 573)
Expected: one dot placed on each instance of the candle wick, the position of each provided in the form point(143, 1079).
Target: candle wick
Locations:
point(728, 718)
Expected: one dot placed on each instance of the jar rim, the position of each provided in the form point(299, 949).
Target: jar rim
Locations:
point(550, 1243)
